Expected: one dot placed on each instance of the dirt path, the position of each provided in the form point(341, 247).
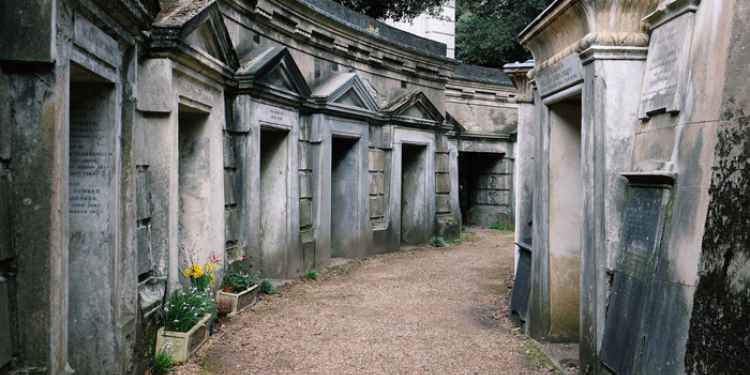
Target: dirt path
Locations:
point(421, 311)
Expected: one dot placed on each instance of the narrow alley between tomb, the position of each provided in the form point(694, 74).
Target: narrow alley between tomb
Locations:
point(416, 311)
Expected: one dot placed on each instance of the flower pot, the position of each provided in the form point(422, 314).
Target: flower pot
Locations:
point(238, 301)
point(181, 345)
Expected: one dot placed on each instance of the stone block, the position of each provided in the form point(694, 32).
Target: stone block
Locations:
point(305, 185)
point(377, 160)
point(155, 86)
point(503, 166)
point(305, 213)
point(442, 183)
point(143, 194)
point(377, 206)
point(230, 155)
point(305, 156)
point(231, 224)
point(28, 31)
point(442, 162)
point(309, 254)
point(5, 245)
point(492, 197)
point(443, 203)
point(6, 348)
point(377, 183)
point(495, 181)
point(5, 125)
point(145, 259)
point(230, 179)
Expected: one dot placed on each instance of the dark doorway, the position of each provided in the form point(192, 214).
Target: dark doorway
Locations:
point(274, 205)
point(484, 189)
point(414, 213)
point(344, 196)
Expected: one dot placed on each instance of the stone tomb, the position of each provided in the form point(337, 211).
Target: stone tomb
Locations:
point(341, 173)
point(484, 189)
point(93, 219)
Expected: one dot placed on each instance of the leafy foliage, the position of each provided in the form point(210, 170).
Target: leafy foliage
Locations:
point(487, 30)
point(163, 363)
point(266, 287)
point(398, 10)
point(312, 275)
point(439, 242)
point(239, 277)
point(185, 308)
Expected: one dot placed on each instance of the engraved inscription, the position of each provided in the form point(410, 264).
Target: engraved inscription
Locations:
point(276, 115)
point(642, 226)
point(562, 75)
point(666, 66)
point(90, 167)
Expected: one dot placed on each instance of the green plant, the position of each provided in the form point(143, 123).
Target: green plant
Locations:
point(185, 308)
point(502, 226)
point(236, 282)
point(163, 363)
point(439, 242)
point(312, 275)
point(202, 277)
point(266, 287)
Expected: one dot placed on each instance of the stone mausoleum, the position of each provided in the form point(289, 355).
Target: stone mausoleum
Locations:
point(632, 215)
point(138, 136)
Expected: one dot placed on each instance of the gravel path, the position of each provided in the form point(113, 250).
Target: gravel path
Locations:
point(418, 311)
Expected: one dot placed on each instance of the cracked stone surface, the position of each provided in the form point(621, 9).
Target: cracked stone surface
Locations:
point(418, 311)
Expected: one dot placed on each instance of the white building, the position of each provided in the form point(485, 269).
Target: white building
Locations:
point(440, 28)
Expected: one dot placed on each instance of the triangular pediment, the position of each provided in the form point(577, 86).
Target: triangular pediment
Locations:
point(199, 25)
point(346, 90)
point(274, 68)
point(351, 99)
point(414, 105)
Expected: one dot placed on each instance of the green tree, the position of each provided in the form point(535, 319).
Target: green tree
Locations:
point(398, 10)
point(487, 30)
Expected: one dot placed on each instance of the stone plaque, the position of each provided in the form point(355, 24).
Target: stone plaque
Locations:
point(560, 76)
point(275, 115)
point(666, 66)
point(643, 223)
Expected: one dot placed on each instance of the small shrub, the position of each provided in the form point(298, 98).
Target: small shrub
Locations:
point(439, 242)
point(163, 364)
point(236, 282)
point(266, 287)
point(185, 308)
point(312, 275)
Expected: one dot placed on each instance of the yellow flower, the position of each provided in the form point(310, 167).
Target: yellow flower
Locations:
point(197, 271)
point(211, 267)
point(188, 272)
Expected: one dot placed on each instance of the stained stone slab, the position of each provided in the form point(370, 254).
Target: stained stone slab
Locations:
point(230, 182)
point(377, 161)
point(5, 245)
point(231, 224)
point(668, 58)
point(519, 301)
point(443, 203)
point(230, 156)
point(305, 213)
point(442, 162)
point(27, 30)
point(377, 206)
point(305, 185)
point(143, 194)
point(492, 197)
point(377, 183)
point(442, 183)
point(145, 259)
point(6, 350)
point(566, 73)
point(643, 223)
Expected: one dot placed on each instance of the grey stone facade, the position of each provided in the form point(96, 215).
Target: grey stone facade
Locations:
point(637, 257)
point(139, 136)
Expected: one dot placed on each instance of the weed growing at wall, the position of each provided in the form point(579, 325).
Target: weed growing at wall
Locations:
point(312, 275)
point(266, 287)
point(163, 364)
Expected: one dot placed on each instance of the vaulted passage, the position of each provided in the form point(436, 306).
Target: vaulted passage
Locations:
point(344, 196)
point(414, 217)
point(565, 219)
point(484, 189)
point(274, 160)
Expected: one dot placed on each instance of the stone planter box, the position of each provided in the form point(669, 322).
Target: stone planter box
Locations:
point(181, 345)
point(238, 301)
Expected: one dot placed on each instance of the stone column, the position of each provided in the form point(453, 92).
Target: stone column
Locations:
point(611, 95)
